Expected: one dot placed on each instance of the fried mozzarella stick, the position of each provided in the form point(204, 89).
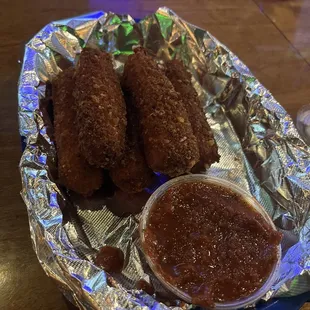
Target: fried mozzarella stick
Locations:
point(169, 143)
point(181, 80)
point(73, 170)
point(101, 110)
point(132, 174)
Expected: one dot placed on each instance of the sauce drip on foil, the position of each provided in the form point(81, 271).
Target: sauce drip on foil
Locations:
point(145, 286)
point(110, 259)
point(210, 243)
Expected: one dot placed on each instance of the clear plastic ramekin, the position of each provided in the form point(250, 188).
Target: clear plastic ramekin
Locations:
point(236, 304)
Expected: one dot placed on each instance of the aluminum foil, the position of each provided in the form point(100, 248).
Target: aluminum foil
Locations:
point(259, 146)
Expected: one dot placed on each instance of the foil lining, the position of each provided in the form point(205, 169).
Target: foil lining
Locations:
point(259, 146)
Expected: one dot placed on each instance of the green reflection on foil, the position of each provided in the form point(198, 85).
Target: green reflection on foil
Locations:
point(127, 33)
point(165, 23)
point(183, 38)
point(115, 20)
point(127, 27)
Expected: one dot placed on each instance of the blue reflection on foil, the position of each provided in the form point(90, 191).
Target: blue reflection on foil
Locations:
point(53, 200)
point(95, 283)
point(77, 276)
point(42, 159)
point(50, 221)
point(52, 245)
point(159, 180)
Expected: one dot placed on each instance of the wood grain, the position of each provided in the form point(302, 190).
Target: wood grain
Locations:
point(292, 19)
point(271, 37)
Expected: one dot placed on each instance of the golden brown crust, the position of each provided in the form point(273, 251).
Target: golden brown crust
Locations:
point(74, 172)
point(101, 111)
point(169, 144)
point(132, 174)
point(181, 80)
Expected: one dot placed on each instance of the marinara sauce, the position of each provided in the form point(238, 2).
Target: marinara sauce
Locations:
point(210, 243)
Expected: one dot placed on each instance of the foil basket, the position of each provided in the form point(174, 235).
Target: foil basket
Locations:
point(259, 146)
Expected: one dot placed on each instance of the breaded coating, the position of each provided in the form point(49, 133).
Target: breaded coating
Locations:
point(73, 170)
point(181, 80)
point(169, 143)
point(101, 110)
point(132, 174)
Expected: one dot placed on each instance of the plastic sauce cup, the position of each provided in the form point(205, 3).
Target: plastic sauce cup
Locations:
point(236, 304)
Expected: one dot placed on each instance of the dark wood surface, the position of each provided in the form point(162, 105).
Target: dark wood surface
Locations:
point(271, 36)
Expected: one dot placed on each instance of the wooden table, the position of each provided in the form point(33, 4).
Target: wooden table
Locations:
point(271, 36)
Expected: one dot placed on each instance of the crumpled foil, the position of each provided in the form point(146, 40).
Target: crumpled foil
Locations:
point(259, 146)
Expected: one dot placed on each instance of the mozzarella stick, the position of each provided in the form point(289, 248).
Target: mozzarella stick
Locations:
point(169, 143)
point(132, 174)
point(101, 111)
point(181, 80)
point(73, 170)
